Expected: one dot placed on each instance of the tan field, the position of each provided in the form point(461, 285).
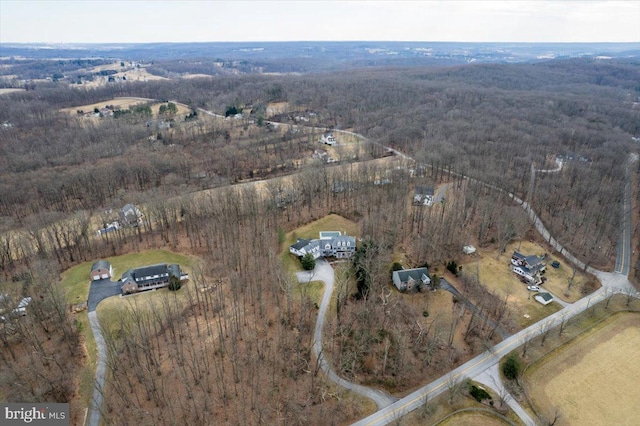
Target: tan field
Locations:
point(4, 91)
point(593, 379)
point(471, 418)
point(118, 103)
point(124, 103)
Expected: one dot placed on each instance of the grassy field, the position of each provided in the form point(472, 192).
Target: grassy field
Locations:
point(75, 281)
point(593, 378)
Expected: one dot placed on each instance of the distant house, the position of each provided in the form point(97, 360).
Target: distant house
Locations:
point(407, 279)
point(544, 298)
point(423, 195)
point(150, 277)
point(101, 270)
point(327, 138)
point(330, 244)
point(130, 215)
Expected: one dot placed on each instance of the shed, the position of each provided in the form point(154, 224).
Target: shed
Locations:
point(544, 298)
point(469, 249)
point(101, 270)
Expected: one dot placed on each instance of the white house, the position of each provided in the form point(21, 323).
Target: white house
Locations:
point(330, 244)
point(327, 138)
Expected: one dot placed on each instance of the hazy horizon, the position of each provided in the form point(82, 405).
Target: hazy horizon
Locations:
point(117, 22)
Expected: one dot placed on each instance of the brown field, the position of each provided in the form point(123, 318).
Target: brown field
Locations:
point(276, 108)
point(592, 379)
point(472, 418)
point(494, 272)
point(4, 91)
point(118, 103)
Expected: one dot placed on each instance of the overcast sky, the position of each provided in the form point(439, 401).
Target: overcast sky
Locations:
point(186, 21)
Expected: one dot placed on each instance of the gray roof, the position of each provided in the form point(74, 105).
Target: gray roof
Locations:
point(101, 264)
point(546, 296)
point(415, 274)
point(424, 190)
point(300, 244)
point(344, 239)
point(151, 270)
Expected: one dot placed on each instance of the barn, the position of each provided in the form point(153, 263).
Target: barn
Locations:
point(101, 270)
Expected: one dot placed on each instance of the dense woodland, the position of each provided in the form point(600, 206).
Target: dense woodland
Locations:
point(242, 352)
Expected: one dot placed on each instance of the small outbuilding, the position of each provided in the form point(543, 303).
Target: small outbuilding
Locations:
point(101, 270)
point(544, 298)
point(469, 249)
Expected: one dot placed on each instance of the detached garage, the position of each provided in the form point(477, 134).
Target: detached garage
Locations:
point(101, 270)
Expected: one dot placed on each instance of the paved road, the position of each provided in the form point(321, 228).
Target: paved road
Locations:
point(491, 378)
point(324, 272)
point(623, 260)
point(446, 285)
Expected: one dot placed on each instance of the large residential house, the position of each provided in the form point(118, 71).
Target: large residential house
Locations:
point(407, 279)
point(150, 277)
point(330, 244)
point(529, 267)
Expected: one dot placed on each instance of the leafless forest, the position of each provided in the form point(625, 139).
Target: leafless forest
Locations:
point(241, 352)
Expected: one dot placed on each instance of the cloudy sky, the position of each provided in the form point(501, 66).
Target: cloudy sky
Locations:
point(184, 21)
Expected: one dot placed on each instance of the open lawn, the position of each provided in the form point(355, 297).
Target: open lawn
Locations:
point(75, 281)
point(495, 273)
point(593, 378)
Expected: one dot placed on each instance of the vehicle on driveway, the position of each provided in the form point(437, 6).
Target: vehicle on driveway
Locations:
point(533, 288)
point(555, 264)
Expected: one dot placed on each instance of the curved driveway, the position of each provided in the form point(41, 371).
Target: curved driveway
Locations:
point(324, 272)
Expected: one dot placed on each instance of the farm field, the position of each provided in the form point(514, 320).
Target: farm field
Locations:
point(4, 91)
point(118, 103)
point(471, 418)
point(592, 379)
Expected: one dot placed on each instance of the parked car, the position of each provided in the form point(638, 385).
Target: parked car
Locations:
point(533, 288)
point(555, 264)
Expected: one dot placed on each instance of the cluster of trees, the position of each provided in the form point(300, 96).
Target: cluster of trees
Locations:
point(41, 353)
point(453, 121)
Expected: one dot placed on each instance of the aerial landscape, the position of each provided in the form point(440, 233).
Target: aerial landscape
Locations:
point(320, 213)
